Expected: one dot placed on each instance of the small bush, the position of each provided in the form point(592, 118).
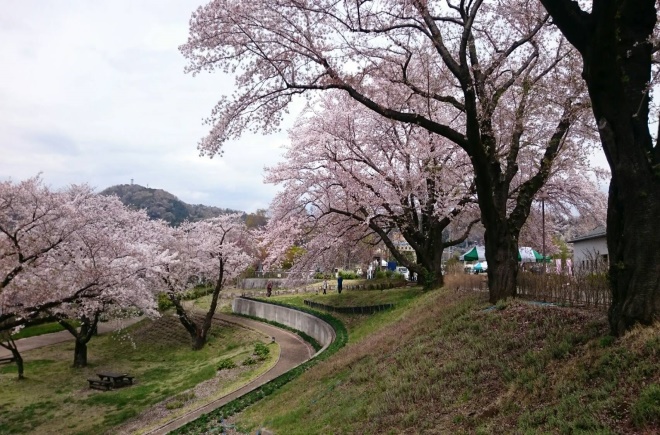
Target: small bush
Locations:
point(261, 350)
point(197, 292)
point(226, 364)
point(348, 274)
point(164, 303)
point(383, 274)
point(249, 361)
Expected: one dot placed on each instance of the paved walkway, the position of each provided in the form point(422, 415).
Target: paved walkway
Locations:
point(59, 337)
point(293, 352)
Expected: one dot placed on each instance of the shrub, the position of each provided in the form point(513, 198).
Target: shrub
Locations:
point(197, 292)
point(164, 303)
point(261, 350)
point(348, 274)
point(226, 364)
point(249, 361)
point(382, 274)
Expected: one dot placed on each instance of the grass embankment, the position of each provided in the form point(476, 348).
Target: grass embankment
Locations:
point(55, 398)
point(445, 364)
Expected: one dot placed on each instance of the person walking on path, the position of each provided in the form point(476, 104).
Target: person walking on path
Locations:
point(325, 286)
point(339, 281)
point(269, 288)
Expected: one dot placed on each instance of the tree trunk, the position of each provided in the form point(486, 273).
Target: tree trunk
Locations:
point(80, 354)
point(87, 328)
point(502, 258)
point(633, 240)
point(199, 340)
point(18, 359)
point(617, 68)
point(19, 364)
point(433, 277)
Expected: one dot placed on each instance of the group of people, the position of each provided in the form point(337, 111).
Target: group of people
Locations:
point(340, 280)
point(324, 286)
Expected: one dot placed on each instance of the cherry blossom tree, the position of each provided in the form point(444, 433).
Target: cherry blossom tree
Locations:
point(574, 204)
point(34, 221)
point(101, 255)
point(110, 259)
point(492, 77)
point(213, 250)
point(618, 43)
point(353, 175)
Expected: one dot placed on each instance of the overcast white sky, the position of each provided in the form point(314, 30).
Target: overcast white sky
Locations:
point(94, 91)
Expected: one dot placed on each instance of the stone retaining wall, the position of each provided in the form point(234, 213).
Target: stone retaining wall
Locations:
point(310, 325)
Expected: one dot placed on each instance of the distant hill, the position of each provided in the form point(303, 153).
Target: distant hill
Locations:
point(160, 204)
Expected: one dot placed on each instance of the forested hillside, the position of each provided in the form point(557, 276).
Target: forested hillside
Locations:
point(160, 204)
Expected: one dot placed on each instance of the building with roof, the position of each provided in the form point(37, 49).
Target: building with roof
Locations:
point(590, 250)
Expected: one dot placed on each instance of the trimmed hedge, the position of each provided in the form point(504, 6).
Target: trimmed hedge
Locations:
point(209, 421)
point(365, 309)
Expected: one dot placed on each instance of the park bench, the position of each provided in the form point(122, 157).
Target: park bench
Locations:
point(7, 360)
point(99, 384)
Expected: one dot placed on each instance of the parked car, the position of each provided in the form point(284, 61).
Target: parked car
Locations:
point(404, 272)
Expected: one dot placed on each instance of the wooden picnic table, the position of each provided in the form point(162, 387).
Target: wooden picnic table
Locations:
point(7, 359)
point(116, 379)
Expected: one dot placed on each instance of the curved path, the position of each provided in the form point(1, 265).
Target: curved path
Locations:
point(293, 352)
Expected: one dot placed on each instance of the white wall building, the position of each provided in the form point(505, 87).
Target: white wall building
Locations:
point(590, 250)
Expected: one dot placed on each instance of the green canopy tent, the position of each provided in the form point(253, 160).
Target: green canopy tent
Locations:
point(477, 253)
point(525, 255)
point(529, 255)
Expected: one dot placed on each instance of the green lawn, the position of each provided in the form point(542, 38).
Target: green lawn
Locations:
point(44, 328)
point(55, 398)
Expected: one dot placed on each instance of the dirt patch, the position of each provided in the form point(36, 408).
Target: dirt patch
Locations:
point(170, 408)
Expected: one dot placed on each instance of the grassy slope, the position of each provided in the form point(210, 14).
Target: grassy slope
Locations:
point(444, 365)
point(56, 398)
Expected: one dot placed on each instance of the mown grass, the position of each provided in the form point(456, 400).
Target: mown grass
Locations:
point(55, 397)
point(445, 364)
point(44, 328)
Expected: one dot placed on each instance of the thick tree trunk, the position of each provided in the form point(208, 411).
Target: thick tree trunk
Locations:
point(617, 61)
point(502, 258)
point(80, 354)
point(615, 42)
point(633, 240)
point(199, 340)
point(435, 279)
point(82, 336)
